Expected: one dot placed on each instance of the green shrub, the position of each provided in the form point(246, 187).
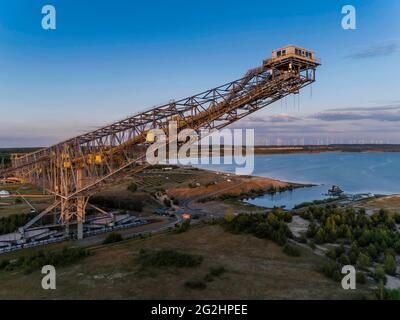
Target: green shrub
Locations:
point(113, 237)
point(183, 227)
point(118, 203)
point(372, 235)
point(217, 271)
point(344, 259)
point(133, 187)
point(390, 265)
point(56, 258)
point(380, 292)
point(167, 258)
point(364, 261)
point(372, 251)
point(392, 294)
point(332, 270)
point(208, 277)
point(379, 275)
point(12, 222)
point(320, 236)
point(361, 278)
point(291, 250)
point(213, 273)
point(266, 226)
point(302, 239)
point(195, 284)
point(331, 253)
point(4, 264)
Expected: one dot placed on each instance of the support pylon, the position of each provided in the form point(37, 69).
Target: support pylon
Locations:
point(80, 205)
point(75, 208)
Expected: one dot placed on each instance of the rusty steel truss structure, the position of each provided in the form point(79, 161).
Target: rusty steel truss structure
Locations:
point(74, 169)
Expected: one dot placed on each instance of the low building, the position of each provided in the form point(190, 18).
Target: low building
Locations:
point(4, 194)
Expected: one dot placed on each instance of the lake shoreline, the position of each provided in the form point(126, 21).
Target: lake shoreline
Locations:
point(357, 173)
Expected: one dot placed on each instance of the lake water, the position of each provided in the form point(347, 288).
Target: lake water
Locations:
point(369, 172)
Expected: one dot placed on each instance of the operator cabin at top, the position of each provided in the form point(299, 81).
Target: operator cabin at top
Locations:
point(291, 59)
point(292, 50)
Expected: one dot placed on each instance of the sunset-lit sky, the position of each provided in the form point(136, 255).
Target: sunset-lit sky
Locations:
point(109, 59)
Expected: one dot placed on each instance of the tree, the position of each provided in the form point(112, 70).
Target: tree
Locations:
point(330, 226)
point(344, 260)
point(271, 218)
point(263, 230)
point(390, 222)
point(379, 274)
point(229, 215)
point(132, 187)
point(390, 265)
point(312, 229)
point(364, 260)
point(320, 236)
point(361, 278)
point(353, 253)
point(396, 246)
point(380, 291)
point(372, 251)
point(113, 237)
point(291, 250)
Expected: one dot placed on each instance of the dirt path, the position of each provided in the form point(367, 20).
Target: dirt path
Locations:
point(187, 203)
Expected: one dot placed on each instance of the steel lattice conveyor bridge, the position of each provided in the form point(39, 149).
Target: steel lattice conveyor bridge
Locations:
point(74, 169)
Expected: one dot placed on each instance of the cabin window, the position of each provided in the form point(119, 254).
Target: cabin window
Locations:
point(279, 53)
point(283, 52)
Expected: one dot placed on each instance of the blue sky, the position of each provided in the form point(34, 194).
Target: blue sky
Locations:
point(110, 59)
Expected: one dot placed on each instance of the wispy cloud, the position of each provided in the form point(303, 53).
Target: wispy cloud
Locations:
point(378, 113)
point(375, 51)
point(276, 118)
point(345, 116)
point(372, 124)
point(283, 118)
point(366, 109)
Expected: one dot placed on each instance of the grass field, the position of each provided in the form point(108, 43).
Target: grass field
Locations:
point(255, 269)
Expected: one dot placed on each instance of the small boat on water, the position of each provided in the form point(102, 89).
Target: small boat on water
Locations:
point(335, 191)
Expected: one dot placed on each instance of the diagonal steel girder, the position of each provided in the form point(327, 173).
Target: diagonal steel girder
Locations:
point(54, 169)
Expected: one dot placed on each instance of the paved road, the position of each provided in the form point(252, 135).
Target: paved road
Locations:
point(152, 228)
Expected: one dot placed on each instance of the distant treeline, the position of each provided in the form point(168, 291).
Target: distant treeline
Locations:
point(118, 203)
point(12, 222)
point(5, 154)
point(327, 148)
